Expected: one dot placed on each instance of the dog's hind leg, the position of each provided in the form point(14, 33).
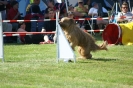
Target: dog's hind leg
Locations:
point(85, 54)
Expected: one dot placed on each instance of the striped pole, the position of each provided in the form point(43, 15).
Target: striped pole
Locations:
point(24, 33)
point(12, 21)
point(107, 18)
point(32, 33)
point(94, 30)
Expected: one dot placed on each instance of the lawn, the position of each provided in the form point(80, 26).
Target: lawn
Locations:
point(35, 66)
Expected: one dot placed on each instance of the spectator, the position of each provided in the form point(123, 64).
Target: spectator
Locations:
point(28, 39)
point(21, 29)
point(86, 2)
point(50, 4)
point(62, 8)
point(71, 9)
point(14, 14)
point(34, 26)
point(124, 15)
point(81, 9)
point(93, 12)
point(70, 14)
point(3, 4)
point(8, 6)
point(50, 26)
point(28, 9)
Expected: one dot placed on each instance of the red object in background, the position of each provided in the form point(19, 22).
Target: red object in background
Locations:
point(29, 16)
point(112, 34)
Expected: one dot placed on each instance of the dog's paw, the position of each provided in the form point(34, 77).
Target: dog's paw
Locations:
point(85, 57)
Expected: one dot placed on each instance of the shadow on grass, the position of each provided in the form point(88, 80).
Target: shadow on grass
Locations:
point(83, 61)
point(101, 59)
point(78, 61)
point(96, 59)
point(12, 61)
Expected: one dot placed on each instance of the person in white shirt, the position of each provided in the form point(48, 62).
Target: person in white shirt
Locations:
point(124, 15)
point(93, 12)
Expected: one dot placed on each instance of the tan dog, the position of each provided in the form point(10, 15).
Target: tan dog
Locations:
point(78, 37)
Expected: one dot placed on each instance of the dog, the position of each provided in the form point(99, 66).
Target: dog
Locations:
point(77, 37)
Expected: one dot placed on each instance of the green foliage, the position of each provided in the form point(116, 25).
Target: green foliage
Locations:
point(35, 66)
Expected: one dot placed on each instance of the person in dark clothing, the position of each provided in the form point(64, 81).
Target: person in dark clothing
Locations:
point(35, 15)
point(28, 9)
point(49, 26)
point(14, 14)
point(9, 6)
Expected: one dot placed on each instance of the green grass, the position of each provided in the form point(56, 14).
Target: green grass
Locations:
point(35, 66)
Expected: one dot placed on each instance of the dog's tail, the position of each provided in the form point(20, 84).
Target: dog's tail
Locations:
point(104, 46)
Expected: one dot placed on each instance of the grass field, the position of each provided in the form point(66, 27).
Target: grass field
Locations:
point(34, 66)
